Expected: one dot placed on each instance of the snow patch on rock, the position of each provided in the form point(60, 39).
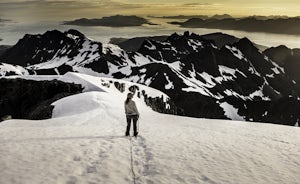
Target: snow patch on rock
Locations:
point(231, 112)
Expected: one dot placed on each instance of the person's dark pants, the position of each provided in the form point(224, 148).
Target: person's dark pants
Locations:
point(134, 119)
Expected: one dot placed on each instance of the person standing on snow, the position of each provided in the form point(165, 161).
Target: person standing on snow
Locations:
point(132, 114)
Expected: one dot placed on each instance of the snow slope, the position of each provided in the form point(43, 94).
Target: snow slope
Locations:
point(84, 143)
point(7, 68)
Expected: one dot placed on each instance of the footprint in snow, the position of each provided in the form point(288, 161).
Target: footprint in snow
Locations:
point(91, 169)
point(77, 158)
point(72, 180)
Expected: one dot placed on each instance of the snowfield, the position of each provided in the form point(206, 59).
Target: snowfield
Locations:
point(84, 142)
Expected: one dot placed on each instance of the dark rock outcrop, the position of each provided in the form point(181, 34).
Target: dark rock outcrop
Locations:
point(27, 99)
point(287, 58)
point(284, 111)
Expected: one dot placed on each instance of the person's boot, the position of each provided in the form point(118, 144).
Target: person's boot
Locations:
point(135, 134)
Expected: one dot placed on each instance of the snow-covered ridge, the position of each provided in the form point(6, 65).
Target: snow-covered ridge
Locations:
point(85, 143)
point(109, 86)
point(5, 69)
point(92, 83)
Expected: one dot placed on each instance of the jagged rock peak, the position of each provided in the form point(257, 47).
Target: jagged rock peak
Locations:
point(72, 33)
point(245, 41)
point(174, 36)
point(245, 44)
point(186, 34)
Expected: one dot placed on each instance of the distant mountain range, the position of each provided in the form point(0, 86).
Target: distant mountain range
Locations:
point(250, 24)
point(224, 16)
point(210, 76)
point(112, 21)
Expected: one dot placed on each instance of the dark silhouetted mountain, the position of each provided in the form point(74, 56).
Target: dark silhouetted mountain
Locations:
point(3, 48)
point(251, 24)
point(221, 39)
point(260, 17)
point(206, 76)
point(279, 54)
point(183, 17)
point(112, 21)
point(220, 17)
point(287, 58)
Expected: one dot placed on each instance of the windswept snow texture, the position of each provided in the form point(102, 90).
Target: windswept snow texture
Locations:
point(85, 143)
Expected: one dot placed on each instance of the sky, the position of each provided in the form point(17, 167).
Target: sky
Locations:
point(19, 17)
point(51, 10)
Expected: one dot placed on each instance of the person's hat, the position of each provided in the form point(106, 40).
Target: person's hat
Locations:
point(130, 95)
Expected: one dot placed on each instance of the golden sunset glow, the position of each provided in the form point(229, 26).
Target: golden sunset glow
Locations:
point(37, 16)
point(68, 9)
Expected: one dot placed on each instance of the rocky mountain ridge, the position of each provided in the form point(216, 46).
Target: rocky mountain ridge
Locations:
point(204, 79)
